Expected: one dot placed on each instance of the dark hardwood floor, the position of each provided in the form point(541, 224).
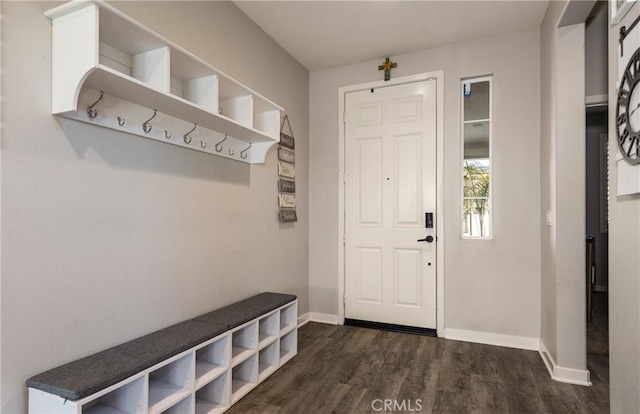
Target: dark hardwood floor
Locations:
point(343, 369)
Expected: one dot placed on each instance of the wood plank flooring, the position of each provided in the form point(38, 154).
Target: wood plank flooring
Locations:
point(344, 369)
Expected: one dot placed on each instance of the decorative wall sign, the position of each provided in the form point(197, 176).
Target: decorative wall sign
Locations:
point(286, 154)
point(288, 216)
point(288, 201)
point(286, 140)
point(286, 168)
point(286, 186)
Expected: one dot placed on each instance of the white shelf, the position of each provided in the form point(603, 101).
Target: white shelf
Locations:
point(206, 372)
point(163, 395)
point(102, 409)
point(97, 47)
point(238, 355)
point(208, 407)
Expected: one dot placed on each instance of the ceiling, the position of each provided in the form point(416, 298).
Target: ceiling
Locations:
point(326, 34)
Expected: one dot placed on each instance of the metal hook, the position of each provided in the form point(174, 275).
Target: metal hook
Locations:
point(203, 144)
point(230, 151)
point(145, 125)
point(187, 138)
point(243, 154)
point(167, 134)
point(120, 121)
point(93, 112)
point(218, 147)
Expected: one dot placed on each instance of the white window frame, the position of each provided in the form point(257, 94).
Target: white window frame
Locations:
point(477, 79)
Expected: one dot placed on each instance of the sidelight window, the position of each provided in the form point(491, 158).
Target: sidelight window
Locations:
point(476, 157)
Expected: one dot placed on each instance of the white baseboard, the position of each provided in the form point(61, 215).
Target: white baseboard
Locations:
point(601, 288)
point(320, 317)
point(562, 374)
point(303, 319)
point(509, 341)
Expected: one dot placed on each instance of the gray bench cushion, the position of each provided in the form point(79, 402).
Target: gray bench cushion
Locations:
point(86, 376)
point(241, 312)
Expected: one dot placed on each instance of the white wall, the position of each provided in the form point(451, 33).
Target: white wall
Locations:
point(108, 236)
point(548, 325)
point(562, 170)
point(624, 262)
point(491, 286)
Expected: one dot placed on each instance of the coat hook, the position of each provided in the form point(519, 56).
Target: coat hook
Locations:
point(145, 125)
point(120, 121)
point(187, 138)
point(243, 154)
point(218, 147)
point(167, 134)
point(93, 112)
point(203, 144)
point(231, 151)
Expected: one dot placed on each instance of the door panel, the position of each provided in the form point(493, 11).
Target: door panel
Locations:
point(390, 183)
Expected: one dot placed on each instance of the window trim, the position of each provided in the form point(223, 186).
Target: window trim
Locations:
point(476, 79)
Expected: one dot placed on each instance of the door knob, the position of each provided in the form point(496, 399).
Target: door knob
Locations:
point(427, 239)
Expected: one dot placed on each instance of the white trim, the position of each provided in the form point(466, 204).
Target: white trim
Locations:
point(601, 288)
point(487, 338)
point(488, 78)
point(439, 78)
point(303, 319)
point(562, 374)
point(327, 318)
point(596, 100)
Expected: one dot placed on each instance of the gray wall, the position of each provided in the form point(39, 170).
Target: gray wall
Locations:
point(624, 262)
point(108, 236)
point(596, 125)
point(491, 286)
point(596, 50)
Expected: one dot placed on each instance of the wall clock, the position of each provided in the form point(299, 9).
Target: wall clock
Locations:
point(628, 110)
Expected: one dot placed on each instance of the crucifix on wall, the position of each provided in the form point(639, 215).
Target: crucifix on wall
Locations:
point(387, 65)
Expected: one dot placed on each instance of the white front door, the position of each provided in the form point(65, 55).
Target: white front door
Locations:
point(390, 186)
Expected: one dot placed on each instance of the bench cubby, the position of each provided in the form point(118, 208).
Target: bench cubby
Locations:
point(203, 365)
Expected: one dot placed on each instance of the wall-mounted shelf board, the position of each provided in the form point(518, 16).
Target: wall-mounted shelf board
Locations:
point(98, 48)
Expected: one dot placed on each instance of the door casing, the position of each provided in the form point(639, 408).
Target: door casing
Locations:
point(438, 76)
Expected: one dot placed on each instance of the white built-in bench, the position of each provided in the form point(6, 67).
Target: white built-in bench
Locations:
point(203, 365)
